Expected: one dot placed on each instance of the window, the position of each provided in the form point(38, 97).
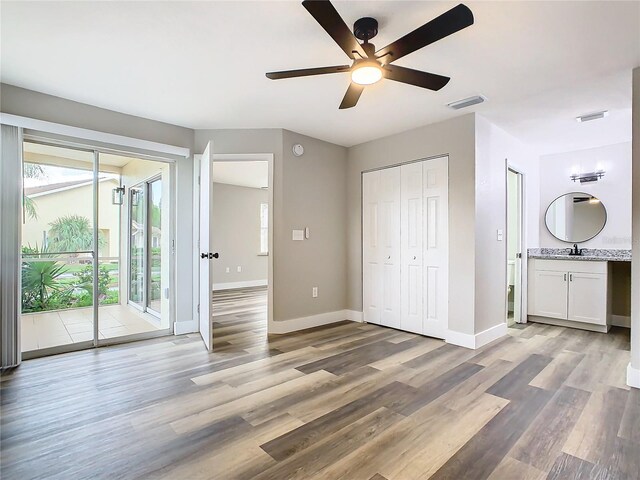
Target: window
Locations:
point(264, 228)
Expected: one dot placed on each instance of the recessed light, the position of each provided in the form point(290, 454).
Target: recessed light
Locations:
point(592, 116)
point(467, 102)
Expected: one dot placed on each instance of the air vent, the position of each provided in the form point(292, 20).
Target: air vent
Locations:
point(592, 116)
point(466, 102)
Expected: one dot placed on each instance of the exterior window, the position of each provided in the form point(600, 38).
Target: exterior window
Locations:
point(264, 228)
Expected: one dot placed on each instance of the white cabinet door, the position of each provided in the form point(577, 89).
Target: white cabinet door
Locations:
point(389, 238)
point(435, 240)
point(371, 250)
point(550, 296)
point(411, 247)
point(588, 298)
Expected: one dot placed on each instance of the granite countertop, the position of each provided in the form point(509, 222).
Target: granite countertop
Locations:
point(588, 254)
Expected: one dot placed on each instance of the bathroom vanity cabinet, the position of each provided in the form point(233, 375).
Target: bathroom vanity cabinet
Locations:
point(573, 293)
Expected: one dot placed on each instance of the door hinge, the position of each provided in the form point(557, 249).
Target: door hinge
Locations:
point(518, 255)
point(198, 308)
point(198, 179)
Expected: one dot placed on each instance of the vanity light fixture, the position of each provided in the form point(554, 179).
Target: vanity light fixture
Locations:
point(117, 195)
point(592, 116)
point(587, 177)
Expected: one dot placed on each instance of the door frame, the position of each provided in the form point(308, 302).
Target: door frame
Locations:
point(523, 241)
point(233, 157)
point(41, 137)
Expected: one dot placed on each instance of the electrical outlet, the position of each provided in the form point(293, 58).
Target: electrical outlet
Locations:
point(227, 270)
point(314, 292)
point(239, 268)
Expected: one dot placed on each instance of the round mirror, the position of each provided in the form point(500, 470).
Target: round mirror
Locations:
point(575, 217)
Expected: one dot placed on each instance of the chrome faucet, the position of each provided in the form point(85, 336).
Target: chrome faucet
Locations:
point(575, 250)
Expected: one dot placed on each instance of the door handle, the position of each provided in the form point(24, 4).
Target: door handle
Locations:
point(209, 255)
point(565, 277)
point(213, 255)
point(571, 277)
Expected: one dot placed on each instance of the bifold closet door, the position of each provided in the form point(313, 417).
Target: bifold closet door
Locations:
point(435, 180)
point(411, 232)
point(381, 246)
point(371, 251)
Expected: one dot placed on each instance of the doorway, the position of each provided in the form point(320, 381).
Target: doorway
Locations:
point(515, 246)
point(84, 241)
point(235, 255)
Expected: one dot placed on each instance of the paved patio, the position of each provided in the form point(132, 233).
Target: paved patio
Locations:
point(50, 329)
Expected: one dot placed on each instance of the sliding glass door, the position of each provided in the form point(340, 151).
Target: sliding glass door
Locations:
point(146, 246)
point(94, 257)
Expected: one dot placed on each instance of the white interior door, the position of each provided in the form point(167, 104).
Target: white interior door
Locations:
point(389, 236)
point(435, 180)
point(372, 278)
point(206, 282)
point(411, 247)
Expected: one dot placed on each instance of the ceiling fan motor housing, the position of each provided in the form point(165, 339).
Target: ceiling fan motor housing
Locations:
point(365, 28)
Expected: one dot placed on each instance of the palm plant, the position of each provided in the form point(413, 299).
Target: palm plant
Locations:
point(72, 233)
point(32, 170)
point(30, 207)
point(40, 281)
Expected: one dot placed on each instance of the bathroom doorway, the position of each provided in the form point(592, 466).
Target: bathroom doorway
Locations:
point(514, 246)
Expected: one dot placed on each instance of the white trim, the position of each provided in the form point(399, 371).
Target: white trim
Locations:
point(190, 326)
point(355, 316)
point(311, 321)
point(245, 284)
point(70, 187)
point(479, 339)
point(633, 376)
point(93, 135)
point(621, 321)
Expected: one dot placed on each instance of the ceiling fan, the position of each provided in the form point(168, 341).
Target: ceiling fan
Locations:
point(369, 65)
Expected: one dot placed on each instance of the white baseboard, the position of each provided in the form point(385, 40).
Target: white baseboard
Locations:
point(479, 339)
point(190, 326)
point(295, 324)
point(633, 376)
point(355, 316)
point(245, 284)
point(621, 321)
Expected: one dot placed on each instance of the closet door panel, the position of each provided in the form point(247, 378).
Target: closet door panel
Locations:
point(389, 233)
point(435, 246)
point(411, 231)
point(371, 251)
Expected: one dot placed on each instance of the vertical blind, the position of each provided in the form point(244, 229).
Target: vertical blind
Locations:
point(11, 208)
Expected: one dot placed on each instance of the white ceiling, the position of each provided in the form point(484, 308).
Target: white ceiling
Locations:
point(202, 65)
point(244, 173)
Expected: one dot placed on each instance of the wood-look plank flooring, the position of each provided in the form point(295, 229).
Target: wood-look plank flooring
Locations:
point(346, 401)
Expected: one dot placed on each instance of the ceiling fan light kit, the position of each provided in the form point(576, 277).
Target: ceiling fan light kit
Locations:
point(370, 65)
point(366, 72)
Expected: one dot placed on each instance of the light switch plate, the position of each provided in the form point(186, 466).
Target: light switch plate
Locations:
point(297, 235)
point(500, 235)
point(239, 269)
point(306, 232)
point(314, 292)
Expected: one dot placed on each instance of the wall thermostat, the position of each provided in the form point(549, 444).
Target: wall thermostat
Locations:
point(298, 150)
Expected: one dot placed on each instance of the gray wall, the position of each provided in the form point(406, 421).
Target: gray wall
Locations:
point(236, 225)
point(27, 103)
point(635, 266)
point(308, 191)
point(456, 138)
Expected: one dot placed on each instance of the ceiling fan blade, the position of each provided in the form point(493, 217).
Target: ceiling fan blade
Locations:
point(329, 19)
point(352, 96)
point(305, 72)
point(449, 22)
point(415, 77)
